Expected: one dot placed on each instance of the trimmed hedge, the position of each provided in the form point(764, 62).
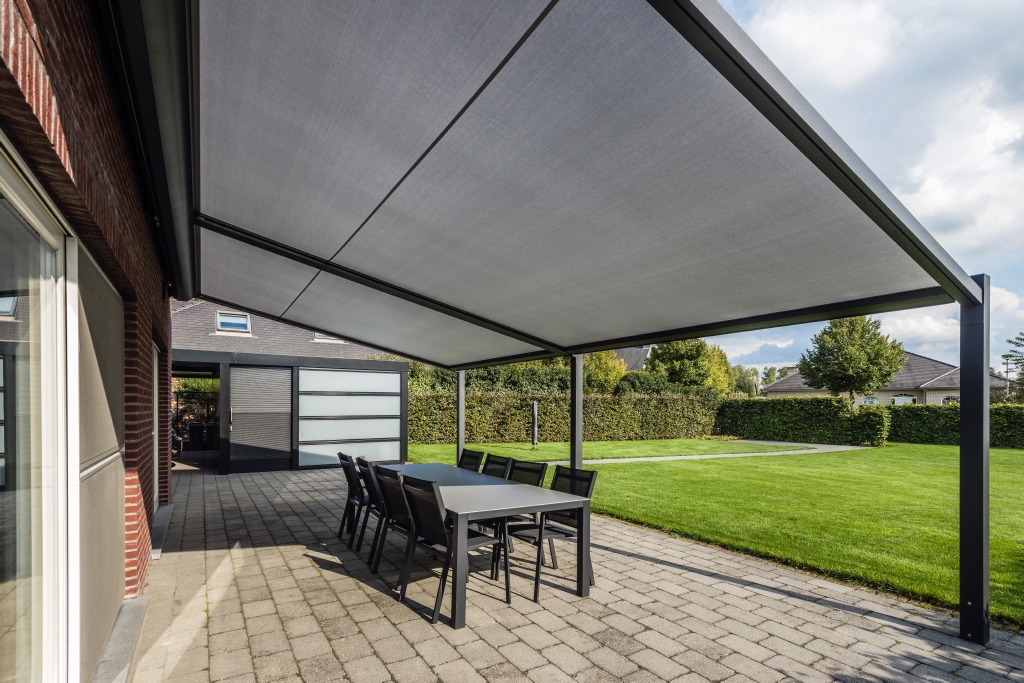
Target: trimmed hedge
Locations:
point(914, 423)
point(811, 420)
point(506, 419)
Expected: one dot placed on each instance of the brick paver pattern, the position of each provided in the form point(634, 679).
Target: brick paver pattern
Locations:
point(254, 586)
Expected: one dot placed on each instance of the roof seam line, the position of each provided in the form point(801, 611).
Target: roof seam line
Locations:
point(494, 74)
point(299, 295)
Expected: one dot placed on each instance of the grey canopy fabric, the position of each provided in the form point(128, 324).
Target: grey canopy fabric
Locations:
point(471, 182)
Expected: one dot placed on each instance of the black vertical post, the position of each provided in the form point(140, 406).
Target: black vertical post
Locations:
point(460, 403)
point(974, 433)
point(224, 461)
point(576, 413)
point(534, 411)
point(295, 417)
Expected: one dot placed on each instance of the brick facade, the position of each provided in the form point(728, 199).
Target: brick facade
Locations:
point(58, 107)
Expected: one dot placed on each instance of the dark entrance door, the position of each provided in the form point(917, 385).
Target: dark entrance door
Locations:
point(261, 419)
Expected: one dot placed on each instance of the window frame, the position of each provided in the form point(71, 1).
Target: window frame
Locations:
point(235, 314)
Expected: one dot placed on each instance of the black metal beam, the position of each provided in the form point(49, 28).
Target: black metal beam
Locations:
point(713, 33)
point(576, 412)
point(460, 409)
point(918, 298)
point(974, 462)
point(285, 251)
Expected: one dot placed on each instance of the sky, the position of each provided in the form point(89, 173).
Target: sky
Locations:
point(930, 94)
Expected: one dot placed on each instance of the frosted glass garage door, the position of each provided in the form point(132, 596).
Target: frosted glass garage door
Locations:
point(358, 413)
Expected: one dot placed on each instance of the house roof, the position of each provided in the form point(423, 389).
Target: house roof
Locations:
point(471, 182)
point(918, 372)
point(194, 327)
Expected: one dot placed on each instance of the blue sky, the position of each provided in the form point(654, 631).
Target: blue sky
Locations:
point(930, 94)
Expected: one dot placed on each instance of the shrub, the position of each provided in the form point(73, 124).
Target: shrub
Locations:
point(812, 420)
point(941, 424)
point(504, 418)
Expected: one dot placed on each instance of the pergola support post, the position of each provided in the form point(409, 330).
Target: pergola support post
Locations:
point(576, 413)
point(460, 403)
point(974, 463)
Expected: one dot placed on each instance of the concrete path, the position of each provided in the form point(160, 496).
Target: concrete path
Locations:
point(805, 449)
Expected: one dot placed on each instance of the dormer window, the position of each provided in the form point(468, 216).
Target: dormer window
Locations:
point(232, 322)
point(8, 306)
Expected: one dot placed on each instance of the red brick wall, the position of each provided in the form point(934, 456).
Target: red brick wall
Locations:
point(57, 105)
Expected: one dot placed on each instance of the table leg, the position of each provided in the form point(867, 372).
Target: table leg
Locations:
point(583, 553)
point(460, 569)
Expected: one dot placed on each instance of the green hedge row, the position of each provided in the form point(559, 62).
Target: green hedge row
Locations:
point(810, 420)
point(505, 419)
point(913, 423)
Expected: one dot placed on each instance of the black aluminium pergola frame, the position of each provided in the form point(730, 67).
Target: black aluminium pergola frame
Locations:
point(150, 50)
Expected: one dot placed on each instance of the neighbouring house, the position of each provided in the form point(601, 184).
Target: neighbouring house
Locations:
point(921, 380)
point(635, 356)
point(287, 397)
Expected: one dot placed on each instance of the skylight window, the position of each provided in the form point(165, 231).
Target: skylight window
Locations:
point(232, 322)
point(8, 306)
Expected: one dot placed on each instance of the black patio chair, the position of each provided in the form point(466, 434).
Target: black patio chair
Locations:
point(561, 524)
point(374, 507)
point(497, 466)
point(430, 519)
point(470, 460)
point(529, 473)
point(396, 508)
point(355, 501)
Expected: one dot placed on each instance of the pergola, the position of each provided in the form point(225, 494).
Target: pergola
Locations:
point(472, 183)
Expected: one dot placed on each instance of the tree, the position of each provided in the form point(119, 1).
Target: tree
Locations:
point(601, 372)
point(686, 362)
point(745, 380)
point(720, 379)
point(643, 383)
point(769, 376)
point(851, 355)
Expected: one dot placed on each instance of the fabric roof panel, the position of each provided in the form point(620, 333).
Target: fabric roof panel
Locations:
point(352, 310)
point(247, 276)
point(611, 164)
point(309, 113)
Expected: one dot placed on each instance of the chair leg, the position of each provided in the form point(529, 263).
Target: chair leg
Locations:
point(344, 519)
point(504, 547)
point(362, 529)
point(554, 558)
point(355, 524)
point(440, 588)
point(381, 521)
point(540, 560)
point(407, 565)
point(380, 546)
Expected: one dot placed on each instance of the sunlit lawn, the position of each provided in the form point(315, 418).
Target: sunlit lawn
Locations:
point(592, 450)
point(885, 517)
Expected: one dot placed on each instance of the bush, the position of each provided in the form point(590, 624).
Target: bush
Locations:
point(941, 424)
point(504, 419)
point(829, 420)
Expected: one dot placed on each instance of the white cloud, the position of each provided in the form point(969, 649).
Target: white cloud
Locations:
point(931, 332)
point(837, 44)
point(743, 345)
point(968, 186)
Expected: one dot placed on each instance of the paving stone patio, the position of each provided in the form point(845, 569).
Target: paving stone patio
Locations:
point(253, 585)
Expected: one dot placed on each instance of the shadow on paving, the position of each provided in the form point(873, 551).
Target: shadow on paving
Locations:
point(254, 586)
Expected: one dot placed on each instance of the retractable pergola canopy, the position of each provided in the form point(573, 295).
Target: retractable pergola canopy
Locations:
point(472, 182)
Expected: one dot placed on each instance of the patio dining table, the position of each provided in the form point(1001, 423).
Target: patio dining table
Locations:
point(470, 496)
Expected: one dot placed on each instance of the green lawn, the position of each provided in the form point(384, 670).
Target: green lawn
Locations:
point(592, 450)
point(885, 517)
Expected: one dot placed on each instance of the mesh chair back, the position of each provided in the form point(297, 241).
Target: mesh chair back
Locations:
point(575, 482)
point(470, 460)
point(393, 495)
point(369, 481)
point(355, 485)
point(427, 510)
point(497, 466)
point(531, 473)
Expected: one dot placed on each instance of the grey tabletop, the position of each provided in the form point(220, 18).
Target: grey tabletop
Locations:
point(473, 494)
